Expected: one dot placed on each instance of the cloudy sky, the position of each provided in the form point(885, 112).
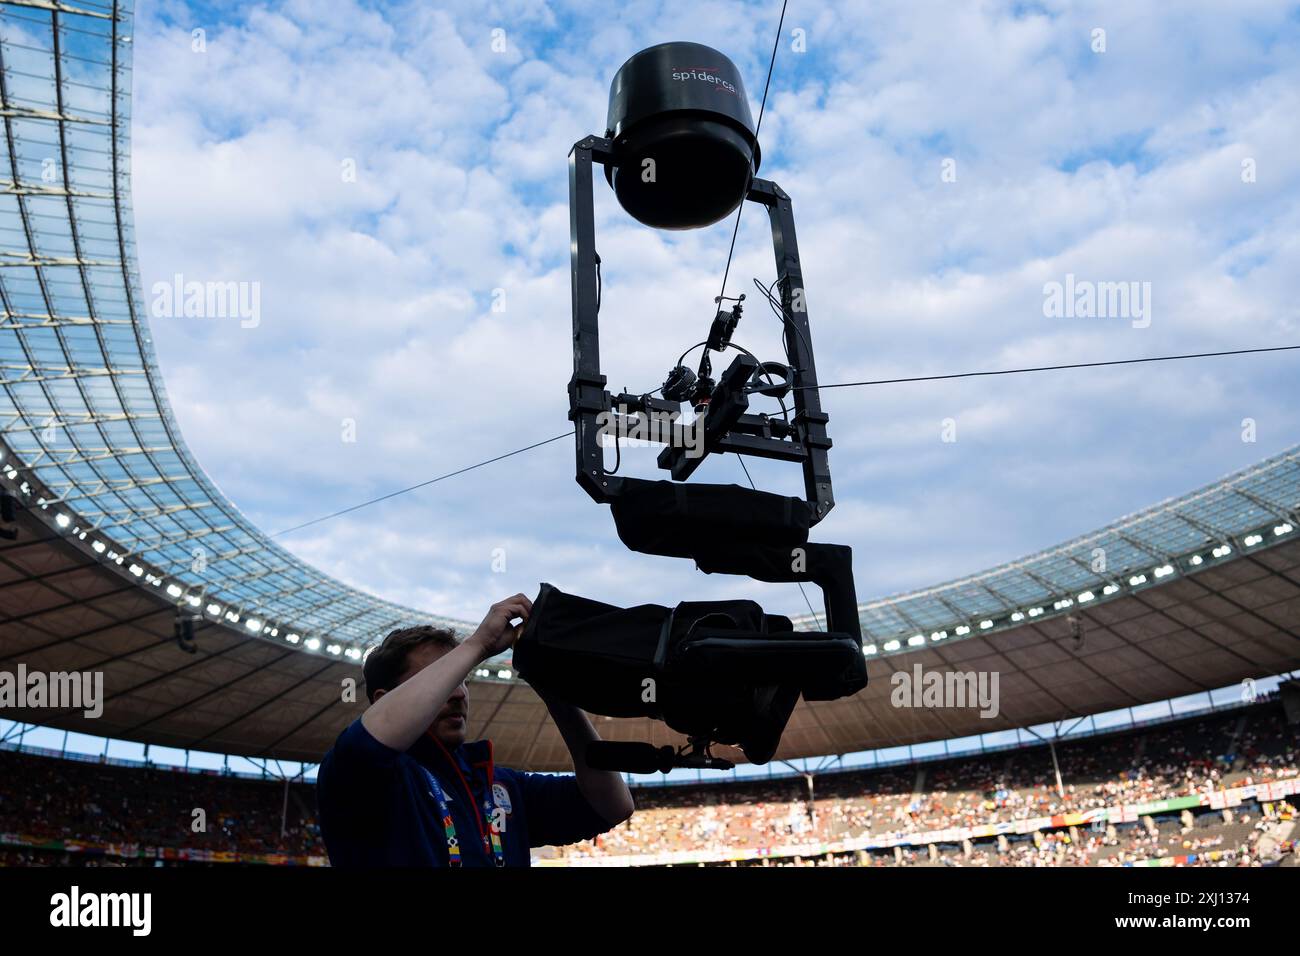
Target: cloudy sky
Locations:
point(1164, 151)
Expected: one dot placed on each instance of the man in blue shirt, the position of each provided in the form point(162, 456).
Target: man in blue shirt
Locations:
point(402, 787)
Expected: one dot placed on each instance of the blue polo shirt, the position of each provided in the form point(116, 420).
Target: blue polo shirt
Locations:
point(377, 808)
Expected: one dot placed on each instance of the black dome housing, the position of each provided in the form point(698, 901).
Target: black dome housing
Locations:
point(682, 105)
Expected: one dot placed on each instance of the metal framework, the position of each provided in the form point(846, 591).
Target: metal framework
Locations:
point(729, 429)
point(88, 433)
point(729, 426)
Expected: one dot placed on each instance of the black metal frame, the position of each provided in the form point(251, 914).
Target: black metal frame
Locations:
point(729, 427)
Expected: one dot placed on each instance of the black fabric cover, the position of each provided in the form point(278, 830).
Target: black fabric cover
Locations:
point(722, 670)
point(829, 566)
point(569, 639)
point(673, 519)
point(726, 529)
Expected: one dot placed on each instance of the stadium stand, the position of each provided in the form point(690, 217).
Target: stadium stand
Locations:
point(1192, 759)
point(64, 809)
point(56, 811)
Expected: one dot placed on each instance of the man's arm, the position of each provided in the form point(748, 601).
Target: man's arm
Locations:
point(399, 716)
point(603, 789)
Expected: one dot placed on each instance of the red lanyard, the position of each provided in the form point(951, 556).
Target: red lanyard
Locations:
point(491, 838)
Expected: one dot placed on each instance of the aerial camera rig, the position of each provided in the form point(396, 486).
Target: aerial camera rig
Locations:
point(723, 671)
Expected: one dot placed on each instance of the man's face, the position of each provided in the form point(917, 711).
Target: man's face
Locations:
point(449, 725)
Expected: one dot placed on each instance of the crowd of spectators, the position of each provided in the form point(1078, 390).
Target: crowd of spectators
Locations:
point(64, 803)
point(1192, 757)
point(50, 800)
point(1207, 840)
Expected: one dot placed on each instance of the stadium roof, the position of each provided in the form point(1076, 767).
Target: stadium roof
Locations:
point(120, 527)
point(1165, 539)
point(83, 407)
point(1202, 626)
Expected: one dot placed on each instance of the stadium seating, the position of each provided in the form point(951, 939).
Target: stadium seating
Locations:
point(1160, 762)
point(59, 811)
point(50, 800)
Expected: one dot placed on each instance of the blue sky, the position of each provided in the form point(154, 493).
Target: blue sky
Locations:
point(1123, 165)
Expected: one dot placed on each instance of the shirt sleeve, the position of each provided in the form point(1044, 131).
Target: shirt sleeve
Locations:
point(558, 813)
point(356, 772)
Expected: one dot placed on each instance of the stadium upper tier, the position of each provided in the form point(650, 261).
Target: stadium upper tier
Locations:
point(1248, 510)
point(118, 528)
point(84, 411)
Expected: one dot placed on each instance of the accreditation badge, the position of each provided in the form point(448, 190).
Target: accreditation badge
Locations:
point(501, 797)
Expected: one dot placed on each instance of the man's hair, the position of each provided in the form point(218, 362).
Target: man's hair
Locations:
point(385, 665)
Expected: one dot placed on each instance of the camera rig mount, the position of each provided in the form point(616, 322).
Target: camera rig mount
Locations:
point(720, 671)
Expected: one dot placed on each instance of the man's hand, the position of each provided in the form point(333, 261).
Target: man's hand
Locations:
point(496, 633)
point(399, 717)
